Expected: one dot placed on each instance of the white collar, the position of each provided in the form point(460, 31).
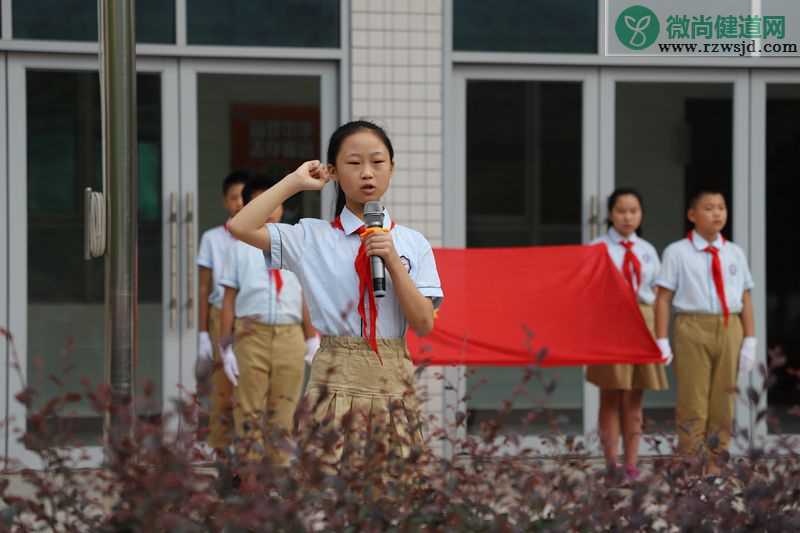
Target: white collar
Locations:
point(617, 238)
point(701, 244)
point(351, 223)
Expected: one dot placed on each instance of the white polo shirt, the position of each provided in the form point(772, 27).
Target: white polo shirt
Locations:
point(322, 257)
point(213, 251)
point(644, 251)
point(257, 295)
point(686, 270)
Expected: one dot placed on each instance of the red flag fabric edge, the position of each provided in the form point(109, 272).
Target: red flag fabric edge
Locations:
point(548, 306)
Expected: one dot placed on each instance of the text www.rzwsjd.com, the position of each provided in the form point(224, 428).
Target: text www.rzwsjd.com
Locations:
point(742, 48)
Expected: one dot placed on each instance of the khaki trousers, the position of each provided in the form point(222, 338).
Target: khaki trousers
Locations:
point(271, 371)
point(706, 365)
point(220, 416)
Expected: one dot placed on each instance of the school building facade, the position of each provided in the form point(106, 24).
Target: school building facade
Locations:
point(511, 126)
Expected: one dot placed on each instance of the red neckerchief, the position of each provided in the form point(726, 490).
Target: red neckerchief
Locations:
point(277, 279)
point(365, 288)
point(631, 266)
point(716, 273)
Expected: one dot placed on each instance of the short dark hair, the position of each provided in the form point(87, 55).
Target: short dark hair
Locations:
point(256, 184)
point(704, 191)
point(234, 178)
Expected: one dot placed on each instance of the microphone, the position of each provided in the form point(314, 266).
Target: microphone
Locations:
point(373, 218)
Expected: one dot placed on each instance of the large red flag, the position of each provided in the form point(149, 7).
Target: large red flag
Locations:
point(502, 306)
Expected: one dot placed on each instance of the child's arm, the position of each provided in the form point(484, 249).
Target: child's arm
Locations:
point(226, 326)
point(417, 308)
point(663, 306)
point(248, 224)
point(205, 280)
point(748, 322)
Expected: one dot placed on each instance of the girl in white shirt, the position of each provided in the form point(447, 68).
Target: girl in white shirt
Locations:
point(363, 366)
point(621, 386)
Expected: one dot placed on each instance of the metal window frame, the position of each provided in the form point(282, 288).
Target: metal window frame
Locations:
point(190, 70)
point(740, 180)
point(757, 245)
point(180, 48)
point(18, 65)
point(6, 14)
point(454, 197)
point(170, 60)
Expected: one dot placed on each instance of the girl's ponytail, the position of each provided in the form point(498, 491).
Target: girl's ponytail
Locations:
point(341, 200)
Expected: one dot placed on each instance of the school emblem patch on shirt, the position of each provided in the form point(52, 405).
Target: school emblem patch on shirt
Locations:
point(406, 263)
point(646, 258)
point(732, 270)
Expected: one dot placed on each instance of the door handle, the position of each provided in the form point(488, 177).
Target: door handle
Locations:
point(594, 217)
point(173, 260)
point(190, 252)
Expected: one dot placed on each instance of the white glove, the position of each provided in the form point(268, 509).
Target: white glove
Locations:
point(229, 365)
point(666, 350)
point(312, 345)
point(747, 356)
point(204, 348)
point(204, 363)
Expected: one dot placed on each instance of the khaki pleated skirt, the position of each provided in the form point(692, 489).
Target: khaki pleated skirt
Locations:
point(362, 398)
point(629, 377)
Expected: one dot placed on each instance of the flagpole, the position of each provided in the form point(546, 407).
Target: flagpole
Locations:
point(118, 96)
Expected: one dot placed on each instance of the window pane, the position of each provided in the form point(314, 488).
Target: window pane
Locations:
point(305, 23)
point(524, 174)
point(523, 163)
point(76, 20)
point(567, 26)
point(267, 125)
point(66, 296)
point(783, 283)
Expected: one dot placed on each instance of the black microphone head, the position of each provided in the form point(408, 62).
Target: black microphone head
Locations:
point(373, 214)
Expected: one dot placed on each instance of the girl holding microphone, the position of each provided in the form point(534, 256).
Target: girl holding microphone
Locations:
point(362, 367)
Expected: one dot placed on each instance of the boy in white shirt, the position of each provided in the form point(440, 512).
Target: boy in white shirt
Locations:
point(707, 281)
point(213, 250)
point(264, 358)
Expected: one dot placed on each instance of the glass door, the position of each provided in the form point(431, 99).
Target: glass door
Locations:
point(665, 133)
point(775, 139)
point(262, 117)
point(525, 160)
point(56, 299)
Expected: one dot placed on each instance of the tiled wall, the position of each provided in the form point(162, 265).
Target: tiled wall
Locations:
point(397, 82)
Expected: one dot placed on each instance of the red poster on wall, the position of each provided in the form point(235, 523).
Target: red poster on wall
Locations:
point(272, 139)
point(549, 305)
